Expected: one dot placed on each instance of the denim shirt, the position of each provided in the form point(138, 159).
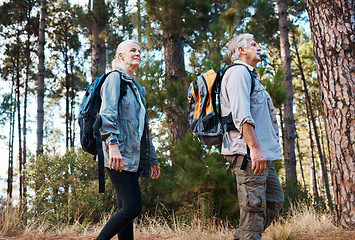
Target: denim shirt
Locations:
point(256, 109)
point(124, 121)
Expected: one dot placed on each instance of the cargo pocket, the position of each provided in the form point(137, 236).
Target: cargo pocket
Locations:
point(252, 193)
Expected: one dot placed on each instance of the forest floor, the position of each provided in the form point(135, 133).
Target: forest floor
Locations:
point(302, 223)
point(29, 236)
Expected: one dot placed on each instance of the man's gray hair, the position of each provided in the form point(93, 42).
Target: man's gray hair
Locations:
point(236, 42)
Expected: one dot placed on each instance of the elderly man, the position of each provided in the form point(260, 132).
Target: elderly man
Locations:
point(254, 143)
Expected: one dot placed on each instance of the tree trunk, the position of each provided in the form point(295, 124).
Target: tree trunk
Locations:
point(319, 117)
point(311, 153)
point(332, 25)
point(67, 98)
point(282, 129)
point(10, 172)
point(289, 128)
point(139, 18)
point(315, 128)
point(300, 157)
point(24, 128)
point(72, 104)
point(18, 105)
point(175, 80)
point(98, 51)
point(40, 82)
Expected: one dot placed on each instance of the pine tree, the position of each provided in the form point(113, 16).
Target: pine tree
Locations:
point(65, 43)
point(289, 127)
point(332, 34)
point(40, 81)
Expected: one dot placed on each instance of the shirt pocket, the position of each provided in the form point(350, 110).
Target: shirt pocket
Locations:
point(257, 98)
point(128, 109)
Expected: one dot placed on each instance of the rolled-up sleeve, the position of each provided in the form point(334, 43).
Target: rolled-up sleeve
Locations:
point(110, 94)
point(153, 155)
point(238, 89)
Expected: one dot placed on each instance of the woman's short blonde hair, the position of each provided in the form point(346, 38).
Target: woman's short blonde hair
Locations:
point(236, 42)
point(121, 48)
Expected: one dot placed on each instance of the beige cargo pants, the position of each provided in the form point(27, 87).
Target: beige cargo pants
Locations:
point(260, 198)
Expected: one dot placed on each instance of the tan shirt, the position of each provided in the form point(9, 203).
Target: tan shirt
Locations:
point(257, 110)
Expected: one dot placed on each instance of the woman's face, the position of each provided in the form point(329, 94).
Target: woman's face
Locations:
point(132, 56)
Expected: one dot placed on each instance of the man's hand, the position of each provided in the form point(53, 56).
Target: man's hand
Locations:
point(257, 157)
point(258, 160)
point(115, 161)
point(155, 171)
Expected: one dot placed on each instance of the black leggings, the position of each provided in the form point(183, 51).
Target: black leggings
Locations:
point(129, 205)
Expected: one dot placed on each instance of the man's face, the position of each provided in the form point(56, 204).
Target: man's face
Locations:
point(251, 52)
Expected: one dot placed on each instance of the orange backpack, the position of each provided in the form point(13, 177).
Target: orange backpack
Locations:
point(204, 107)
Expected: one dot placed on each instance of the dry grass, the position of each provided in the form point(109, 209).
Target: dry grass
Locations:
point(194, 229)
point(303, 220)
point(10, 218)
point(301, 223)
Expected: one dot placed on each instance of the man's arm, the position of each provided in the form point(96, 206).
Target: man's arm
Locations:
point(257, 157)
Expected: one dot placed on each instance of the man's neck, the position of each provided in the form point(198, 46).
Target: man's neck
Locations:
point(246, 60)
point(248, 65)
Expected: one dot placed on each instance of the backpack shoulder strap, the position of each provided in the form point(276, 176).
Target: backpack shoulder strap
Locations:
point(96, 128)
point(123, 84)
point(227, 121)
point(250, 72)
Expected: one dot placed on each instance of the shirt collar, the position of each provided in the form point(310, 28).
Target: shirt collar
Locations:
point(124, 73)
point(244, 63)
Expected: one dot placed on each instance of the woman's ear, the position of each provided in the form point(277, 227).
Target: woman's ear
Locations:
point(120, 56)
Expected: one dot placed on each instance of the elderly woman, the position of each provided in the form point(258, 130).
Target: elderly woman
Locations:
point(128, 149)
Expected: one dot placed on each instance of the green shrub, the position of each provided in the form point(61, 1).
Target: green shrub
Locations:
point(65, 188)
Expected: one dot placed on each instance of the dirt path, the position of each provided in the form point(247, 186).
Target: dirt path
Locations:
point(29, 236)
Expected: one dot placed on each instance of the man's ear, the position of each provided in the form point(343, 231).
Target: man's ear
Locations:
point(241, 50)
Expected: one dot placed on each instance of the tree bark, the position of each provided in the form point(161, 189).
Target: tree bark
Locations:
point(40, 82)
point(321, 129)
point(289, 127)
point(332, 24)
point(98, 51)
point(175, 80)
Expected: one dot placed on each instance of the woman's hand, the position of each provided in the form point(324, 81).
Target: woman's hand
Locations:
point(115, 161)
point(155, 171)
